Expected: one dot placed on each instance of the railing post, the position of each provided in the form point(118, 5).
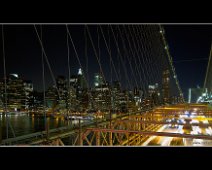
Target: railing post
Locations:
point(111, 138)
point(97, 138)
point(80, 142)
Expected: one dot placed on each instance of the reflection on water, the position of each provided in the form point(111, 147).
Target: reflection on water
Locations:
point(24, 123)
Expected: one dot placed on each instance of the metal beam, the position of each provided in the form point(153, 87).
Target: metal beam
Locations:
point(150, 133)
point(163, 122)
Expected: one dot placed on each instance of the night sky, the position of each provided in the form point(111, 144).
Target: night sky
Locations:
point(23, 52)
point(189, 42)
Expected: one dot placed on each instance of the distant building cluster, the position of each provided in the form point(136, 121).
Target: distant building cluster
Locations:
point(19, 94)
point(75, 95)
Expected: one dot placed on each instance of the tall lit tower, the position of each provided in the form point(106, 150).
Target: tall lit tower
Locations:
point(166, 86)
point(81, 91)
point(81, 80)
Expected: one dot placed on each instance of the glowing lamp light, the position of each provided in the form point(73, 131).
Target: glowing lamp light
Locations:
point(80, 72)
point(15, 75)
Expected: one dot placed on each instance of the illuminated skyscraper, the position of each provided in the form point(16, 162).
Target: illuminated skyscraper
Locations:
point(81, 91)
point(62, 89)
point(81, 82)
point(16, 97)
point(166, 86)
point(28, 89)
point(98, 80)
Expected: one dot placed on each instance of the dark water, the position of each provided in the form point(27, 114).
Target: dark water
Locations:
point(23, 124)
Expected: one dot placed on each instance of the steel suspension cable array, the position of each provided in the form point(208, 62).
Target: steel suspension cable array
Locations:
point(96, 55)
point(142, 64)
point(144, 53)
point(136, 64)
point(158, 56)
point(155, 74)
point(156, 33)
point(127, 56)
point(109, 52)
point(119, 53)
point(141, 53)
point(154, 55)
point(47, 61)
point(155, 40)
point(171, 63)
point(149, 48)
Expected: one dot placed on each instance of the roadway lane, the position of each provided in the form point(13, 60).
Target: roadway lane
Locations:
point(199, 126)
point(163, 140)
point(198, 130)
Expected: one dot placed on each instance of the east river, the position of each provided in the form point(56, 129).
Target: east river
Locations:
point(24, 123)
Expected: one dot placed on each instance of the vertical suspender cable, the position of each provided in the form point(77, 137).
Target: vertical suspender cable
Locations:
point(5, 91)
point(47, 61)
point(69, 74)
point(44, 88)
point(5, 85)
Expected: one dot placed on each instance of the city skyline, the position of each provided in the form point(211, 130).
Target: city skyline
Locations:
point(105, 85)
point(21, 40)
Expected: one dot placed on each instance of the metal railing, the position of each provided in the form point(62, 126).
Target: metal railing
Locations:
point(39, 136)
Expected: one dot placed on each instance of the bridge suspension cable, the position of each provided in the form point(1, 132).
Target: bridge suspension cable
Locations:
point(47, 61)
point(137, 64)
point(96, 55)
point(141, 39)
point(121, 58)
point(44, 86)
point(165, 60)
point(109, 52)
point(8, 124)
point(128, 57)
point(171, 62)
point(145, 48)
point(152, 55)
